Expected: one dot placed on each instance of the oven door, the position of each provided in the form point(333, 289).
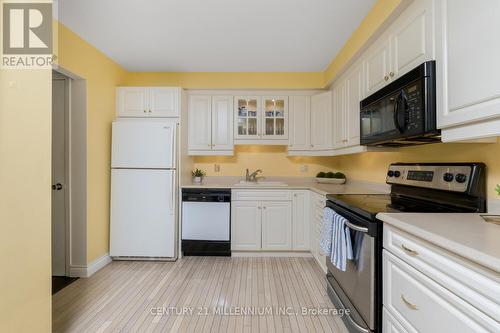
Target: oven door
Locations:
point(356, 288)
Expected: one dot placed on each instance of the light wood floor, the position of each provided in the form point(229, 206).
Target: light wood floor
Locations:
point(122, 296)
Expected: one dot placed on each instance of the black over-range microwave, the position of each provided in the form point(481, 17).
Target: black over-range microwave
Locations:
point(404, 112)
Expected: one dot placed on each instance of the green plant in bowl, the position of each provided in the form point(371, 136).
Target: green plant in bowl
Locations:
point(321, 175)
point(339, 175)
point(330, 175)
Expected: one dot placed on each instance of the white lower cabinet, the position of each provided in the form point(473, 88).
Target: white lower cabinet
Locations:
point(317, 204)
point(425, 290)
point(261, 225)
point(276, 226)
point(246, 225)
point(300, 221)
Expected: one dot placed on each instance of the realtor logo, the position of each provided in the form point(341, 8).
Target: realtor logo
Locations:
point(27, 34)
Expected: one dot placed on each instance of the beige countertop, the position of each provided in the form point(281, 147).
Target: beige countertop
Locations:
point(465, 234)
point(351, 186)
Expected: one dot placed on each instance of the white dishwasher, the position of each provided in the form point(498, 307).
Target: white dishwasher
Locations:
point(206, 217)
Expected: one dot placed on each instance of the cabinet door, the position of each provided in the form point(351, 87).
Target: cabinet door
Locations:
point(199, 120)
point(321, 121)
point(164, 102)
point(353, 96)
point(222, 123)
point(412, 38)
point(377, 66)
point(468, 80)
point(339, 113)
point(300, 221)
point(277, 225)
point(275, 117)
point(133, 102)
point(247, 119)
point(299, 123)
point(246, 225)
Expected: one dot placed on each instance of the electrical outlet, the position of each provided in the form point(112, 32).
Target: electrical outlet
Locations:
point(304, 168)
point(217, 167)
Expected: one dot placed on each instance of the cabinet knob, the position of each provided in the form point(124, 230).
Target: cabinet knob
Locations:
point(312, 145)
point(260, 207)
point(386, 77)
point(289, 145)
point(264, 207)
point(149, 110)
point(145, 111)
point(391, 74)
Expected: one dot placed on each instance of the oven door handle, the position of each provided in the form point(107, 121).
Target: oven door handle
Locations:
point(356, 227)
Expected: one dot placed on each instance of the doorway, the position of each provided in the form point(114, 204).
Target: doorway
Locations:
point(60, 182)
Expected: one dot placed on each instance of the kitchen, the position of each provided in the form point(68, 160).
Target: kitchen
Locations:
point(350, 189)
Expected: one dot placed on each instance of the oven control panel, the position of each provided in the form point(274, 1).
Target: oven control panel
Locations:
point(439, 176)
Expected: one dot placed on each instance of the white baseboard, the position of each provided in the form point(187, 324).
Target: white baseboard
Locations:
point(86, 271)
point(270, 254)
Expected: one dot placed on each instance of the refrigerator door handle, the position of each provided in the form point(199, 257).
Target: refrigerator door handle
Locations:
point(172, 199)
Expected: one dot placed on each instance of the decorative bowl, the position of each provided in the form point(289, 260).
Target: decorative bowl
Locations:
point(337, 181)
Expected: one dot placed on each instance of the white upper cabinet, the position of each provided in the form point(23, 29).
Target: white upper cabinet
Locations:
point(412, 38)
point(377, 66)
point(199, 120)
point(300, 123)
point(164, 102)
point(339, 113)
point(222, 123)
point(261, 119)
point(468, 66)
point(132, 102)
point(148, 101)
point(210, 125)
point(321, 121)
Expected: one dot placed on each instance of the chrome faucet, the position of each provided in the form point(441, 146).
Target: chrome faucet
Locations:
point(252, 177)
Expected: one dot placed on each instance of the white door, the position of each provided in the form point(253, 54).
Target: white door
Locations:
point(321, 121)
point(354, 95)
point(339, 113)
point(246, 225)
point(277, 225)
point(467, 61)
point(58, 235)
point(142, 213)
point(377, 66)
point(299, 123)
point(143, 144)
point(133, 102)
point(222, 123)
point(300, 221)
point(164, 102)
point(199, 120)
point(413, 38)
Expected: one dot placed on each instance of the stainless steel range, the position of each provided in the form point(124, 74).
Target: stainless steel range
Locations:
point(419, 187)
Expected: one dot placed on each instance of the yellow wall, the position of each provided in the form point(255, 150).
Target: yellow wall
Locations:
point(271, 159)
point(25, 200)
point(102, 76)
point(188, 80)
point(375, 18)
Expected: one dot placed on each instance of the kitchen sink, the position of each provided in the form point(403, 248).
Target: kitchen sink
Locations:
point(262, 183)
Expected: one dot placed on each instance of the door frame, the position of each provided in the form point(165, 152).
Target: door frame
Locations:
point(67, 179)
point(76, 168)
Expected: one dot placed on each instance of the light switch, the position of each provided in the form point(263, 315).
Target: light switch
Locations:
point(217, 167)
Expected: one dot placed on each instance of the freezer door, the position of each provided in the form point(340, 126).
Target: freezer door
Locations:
point(143, 144)
point(142, 213)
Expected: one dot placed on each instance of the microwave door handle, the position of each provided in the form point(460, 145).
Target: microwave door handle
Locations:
point(356, 227)
point(396, 114)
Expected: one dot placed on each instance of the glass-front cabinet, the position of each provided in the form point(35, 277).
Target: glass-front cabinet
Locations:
point(261, 118)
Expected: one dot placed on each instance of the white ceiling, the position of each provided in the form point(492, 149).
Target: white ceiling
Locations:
point(216, 35)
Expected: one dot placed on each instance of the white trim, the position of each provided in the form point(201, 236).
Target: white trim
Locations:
point(341, 151)
point(210, 152)
point(90, 269)
point(255, 93)
point(271, 254)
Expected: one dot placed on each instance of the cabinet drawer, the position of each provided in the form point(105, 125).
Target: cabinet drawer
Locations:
point(390, 324)
point(479, 287)
point(262, 195)
point(422, 305)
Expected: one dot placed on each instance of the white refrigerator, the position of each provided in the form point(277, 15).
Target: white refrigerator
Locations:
point(143, 189)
